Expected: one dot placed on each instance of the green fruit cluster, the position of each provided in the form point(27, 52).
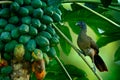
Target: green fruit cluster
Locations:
point(26, 29)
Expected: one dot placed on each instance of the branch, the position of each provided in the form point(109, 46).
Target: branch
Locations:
point(5, 2)
point(56, 57)
point(77, 50)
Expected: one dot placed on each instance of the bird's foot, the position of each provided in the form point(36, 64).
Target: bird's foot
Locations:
point(94, 68)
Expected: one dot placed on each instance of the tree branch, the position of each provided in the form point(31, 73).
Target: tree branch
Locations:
point(56, 57)
point(77, 50)
point(5, 2)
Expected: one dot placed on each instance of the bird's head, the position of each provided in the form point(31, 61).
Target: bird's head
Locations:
point(81, 24)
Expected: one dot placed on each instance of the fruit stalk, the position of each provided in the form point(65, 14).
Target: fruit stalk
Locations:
point(56, 57)
point(4, 2)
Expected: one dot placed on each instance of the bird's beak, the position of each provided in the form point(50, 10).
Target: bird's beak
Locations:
point(77, 24)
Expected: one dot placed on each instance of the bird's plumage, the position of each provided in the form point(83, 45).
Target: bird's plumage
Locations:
point(89, 47)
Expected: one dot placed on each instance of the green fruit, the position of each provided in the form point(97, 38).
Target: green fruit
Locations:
point(14, 6)
point(58, 11)
point(36, 3)
point(31, 45)
point(7, 56)
point(19, 52)
point(49, 11)
point(52, 52)
point(26, 20)
point(9, 47)
point(23, 11)
point(42, 27)
point(43, 4)
point(30, 8)
point(2, 77)
point(6, 78)
point(13, 20)
point(47, 19)
point(4, 5)
point(1, 30)
point(42, 41)
point(24, 28)
point(27, 2)
point(5, 12)
point(45, 34)
point(6, 70)
point(3, 23)
point(46, 58)
point(56, 17)
point(33, 31)
point(51, 30)
point(20, 2)
point(27, 55)
point(15, 33)
point(54, 41)
point(24, 39)
point(1, 45)
point(9, 27)
point(38, 13)
point(36, 23)
point(37, 54)
point(45, 49)
point(5, 36)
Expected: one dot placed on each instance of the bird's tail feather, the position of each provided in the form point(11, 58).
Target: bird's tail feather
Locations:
point(100, 63)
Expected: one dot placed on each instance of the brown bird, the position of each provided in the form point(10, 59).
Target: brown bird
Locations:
point(89, 47)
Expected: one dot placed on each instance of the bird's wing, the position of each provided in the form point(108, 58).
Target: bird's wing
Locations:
point(93, 45)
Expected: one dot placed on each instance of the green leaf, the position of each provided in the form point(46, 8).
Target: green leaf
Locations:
point(113, 15)
point(78, 13)
point(117, 56)
point(76, 73)
point(55, 72)
point(102, 41)
point(32, 76)
point(64, 45)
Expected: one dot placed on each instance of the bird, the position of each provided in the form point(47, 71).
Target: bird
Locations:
point(89, 47)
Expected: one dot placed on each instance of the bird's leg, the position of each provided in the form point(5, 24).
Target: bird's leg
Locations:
point(91, 53)
point(94, 68)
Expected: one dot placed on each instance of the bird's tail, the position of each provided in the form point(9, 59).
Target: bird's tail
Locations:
point(100, 63)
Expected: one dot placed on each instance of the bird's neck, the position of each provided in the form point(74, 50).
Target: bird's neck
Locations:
point(83, 32)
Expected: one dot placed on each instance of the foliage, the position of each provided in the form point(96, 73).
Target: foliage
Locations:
point(55, 72)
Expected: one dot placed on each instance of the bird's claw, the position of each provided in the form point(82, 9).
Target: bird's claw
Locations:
point(94, 68)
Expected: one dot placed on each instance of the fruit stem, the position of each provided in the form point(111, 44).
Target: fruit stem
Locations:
point(77, 50)
point(56, 57)
point(5, 2)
